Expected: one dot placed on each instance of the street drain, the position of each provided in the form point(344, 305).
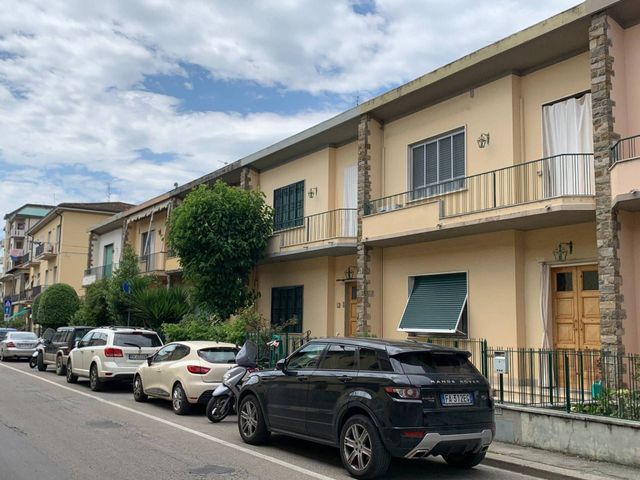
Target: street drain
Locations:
point(211, 470)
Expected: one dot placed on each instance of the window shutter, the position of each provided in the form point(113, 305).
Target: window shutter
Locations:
point(458, 155)
point(418, 167)
point(444, 161)
point(432, 163)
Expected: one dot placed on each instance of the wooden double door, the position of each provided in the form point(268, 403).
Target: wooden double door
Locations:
point(576, 307)
point(351, 309)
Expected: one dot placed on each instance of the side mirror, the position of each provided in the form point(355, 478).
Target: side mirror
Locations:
point(78, 344)
point(150, 360)
point(281, 364)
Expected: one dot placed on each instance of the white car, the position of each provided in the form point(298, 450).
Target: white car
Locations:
point(18, 344)
point(184, 372)
point(111, 353)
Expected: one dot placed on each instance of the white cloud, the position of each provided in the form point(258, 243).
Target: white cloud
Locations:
point(71, 94)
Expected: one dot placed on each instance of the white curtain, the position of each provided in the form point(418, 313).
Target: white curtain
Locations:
point(547, 327)
point(567, 130)
point(350, 200)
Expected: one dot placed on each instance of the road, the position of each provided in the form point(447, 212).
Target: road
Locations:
point(59, 431)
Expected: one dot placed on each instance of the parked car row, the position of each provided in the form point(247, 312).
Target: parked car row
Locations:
point(372, 399)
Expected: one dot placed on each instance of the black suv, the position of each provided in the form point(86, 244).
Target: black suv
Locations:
point(373, 399)
point(57, 345)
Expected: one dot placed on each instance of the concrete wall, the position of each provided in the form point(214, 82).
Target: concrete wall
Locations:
point(626, 54)
point(596, 438)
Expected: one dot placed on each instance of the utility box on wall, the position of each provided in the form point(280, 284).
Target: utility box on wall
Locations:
point(500, 363)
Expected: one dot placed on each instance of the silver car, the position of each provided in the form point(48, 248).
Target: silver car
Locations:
point(18, 344)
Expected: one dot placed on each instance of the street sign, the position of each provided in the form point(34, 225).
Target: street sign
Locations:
point(126, 288)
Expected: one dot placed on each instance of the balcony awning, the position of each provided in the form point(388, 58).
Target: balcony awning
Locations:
point(22, 312)
point(436, 304)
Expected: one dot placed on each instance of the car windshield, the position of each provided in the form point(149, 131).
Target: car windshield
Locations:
point(218, 355)
point(428, 362)
point(137, 339)
point(80, 333)
point(22, 336)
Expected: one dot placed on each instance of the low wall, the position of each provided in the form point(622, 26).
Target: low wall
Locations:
point(597, 438)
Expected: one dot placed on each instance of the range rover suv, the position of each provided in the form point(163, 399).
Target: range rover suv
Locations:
point(373, 399)
point(57, 345)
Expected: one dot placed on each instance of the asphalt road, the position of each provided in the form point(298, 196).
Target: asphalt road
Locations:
point(50, 429)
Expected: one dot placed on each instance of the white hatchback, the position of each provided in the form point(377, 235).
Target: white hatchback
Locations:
point(184, 372)
point(111, 353)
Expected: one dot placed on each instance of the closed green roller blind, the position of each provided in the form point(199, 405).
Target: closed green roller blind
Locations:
point(436, 304)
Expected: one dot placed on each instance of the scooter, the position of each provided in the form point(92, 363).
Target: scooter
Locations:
point(225, 396)
point(33, 361)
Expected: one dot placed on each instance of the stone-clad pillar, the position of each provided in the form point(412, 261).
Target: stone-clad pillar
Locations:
point(248, 178)
point(363, 251)
point(611, 310)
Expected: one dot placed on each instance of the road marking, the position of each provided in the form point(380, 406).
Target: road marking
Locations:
point(219, 441)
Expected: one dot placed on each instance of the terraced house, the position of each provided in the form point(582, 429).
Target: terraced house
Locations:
point(59, 243)
point(495, 197)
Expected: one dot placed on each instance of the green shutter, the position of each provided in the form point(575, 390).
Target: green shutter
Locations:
point(436, 304)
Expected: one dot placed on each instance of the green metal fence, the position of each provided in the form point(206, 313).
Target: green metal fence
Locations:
point(274, 345)
point(580, 381)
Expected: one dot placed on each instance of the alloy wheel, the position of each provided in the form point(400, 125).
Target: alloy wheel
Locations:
point(177, 399)
point(93, 377)
point(249, 419)
point(357, 447)
point(137, 386)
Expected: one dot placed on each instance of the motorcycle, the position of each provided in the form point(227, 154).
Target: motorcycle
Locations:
point(225, 396)
point(33, 361)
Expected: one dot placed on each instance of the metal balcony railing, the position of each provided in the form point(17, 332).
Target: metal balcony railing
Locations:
point(17, 232)
point(35, 291)
point(340, 223)
point(22, 259)
point(103, 271)
point(44, 249)
point(568, 175)
point(625, 149)
point(152, 262)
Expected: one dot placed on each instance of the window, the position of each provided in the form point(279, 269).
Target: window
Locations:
point(426, 362)
point(164, 354)
point(136, 339)
point(374, 361)
point(437, 304)
point(339, 357)
point(288, 206)
point(86, 339)
point(307, 357)
point(218, 355)
point(436, 164)
point(286, 308)
point(180, 352)
point(98, 340)
point(58, 233)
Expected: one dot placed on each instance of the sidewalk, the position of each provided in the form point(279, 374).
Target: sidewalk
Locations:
point(553, 465)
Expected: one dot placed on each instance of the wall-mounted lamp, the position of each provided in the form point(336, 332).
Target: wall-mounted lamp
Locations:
point(349, 274)
point(312, 192)
point(483, 140)
point(560, 253)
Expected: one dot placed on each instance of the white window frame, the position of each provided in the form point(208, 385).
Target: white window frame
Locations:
point(423, 143)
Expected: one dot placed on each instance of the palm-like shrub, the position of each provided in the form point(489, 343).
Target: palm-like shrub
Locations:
point(151, 307)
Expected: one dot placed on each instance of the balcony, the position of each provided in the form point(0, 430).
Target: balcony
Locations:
point(328, 233)
point(625, 173)
point(92, 275)
point(35, 291)
point(19, 262)
point(17, 232)
point(46, 251)
point(152, 263)
point(547, 192)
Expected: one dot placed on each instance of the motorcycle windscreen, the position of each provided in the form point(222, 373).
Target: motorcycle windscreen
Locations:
point(248, 355)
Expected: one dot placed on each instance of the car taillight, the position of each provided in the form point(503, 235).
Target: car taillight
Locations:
point(197, 369)
point(11, 345)
point(406, 393)
point(112, 352)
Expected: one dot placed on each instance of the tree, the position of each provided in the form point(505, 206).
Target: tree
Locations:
point(151, 307)
point(57, 306)
point(220, 233)
point(95, 310)
point(119, 302)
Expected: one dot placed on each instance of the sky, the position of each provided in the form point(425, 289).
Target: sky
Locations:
point(120, 99)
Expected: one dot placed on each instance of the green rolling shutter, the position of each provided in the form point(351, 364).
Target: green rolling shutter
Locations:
point(436, 305)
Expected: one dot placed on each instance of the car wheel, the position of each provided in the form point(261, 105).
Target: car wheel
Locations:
point(251, 424)
point(218, 408)
point(94, 380)
point(361, 449)
point(138, 391)
point(41, 365)
point(467, 460)
point(60, 368)
point(179, 402)
point(71, 378)
point(2, 357)
point(33, 362)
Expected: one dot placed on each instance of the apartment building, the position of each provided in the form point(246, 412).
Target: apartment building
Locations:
point(16, 244)
point(491, 198)
point(60, 243)
point(495, 197)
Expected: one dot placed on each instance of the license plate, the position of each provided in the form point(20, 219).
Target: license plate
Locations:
point(137, 356)
point(453, 399)
point(24, 345)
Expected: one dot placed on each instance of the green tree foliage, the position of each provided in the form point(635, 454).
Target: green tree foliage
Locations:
point(153, 306)
point(220, 233)
point(119, 302)
point(34, 309)
point(57, 306)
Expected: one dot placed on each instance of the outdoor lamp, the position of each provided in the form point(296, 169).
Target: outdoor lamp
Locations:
point(312, 192)
point(560, 253)
point(483, 140)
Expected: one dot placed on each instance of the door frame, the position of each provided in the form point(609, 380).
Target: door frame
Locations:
point(347, 306)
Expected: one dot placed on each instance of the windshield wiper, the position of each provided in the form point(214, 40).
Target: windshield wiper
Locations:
point(132, 344)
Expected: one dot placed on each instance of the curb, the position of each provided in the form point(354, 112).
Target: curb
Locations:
point(536, 469)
